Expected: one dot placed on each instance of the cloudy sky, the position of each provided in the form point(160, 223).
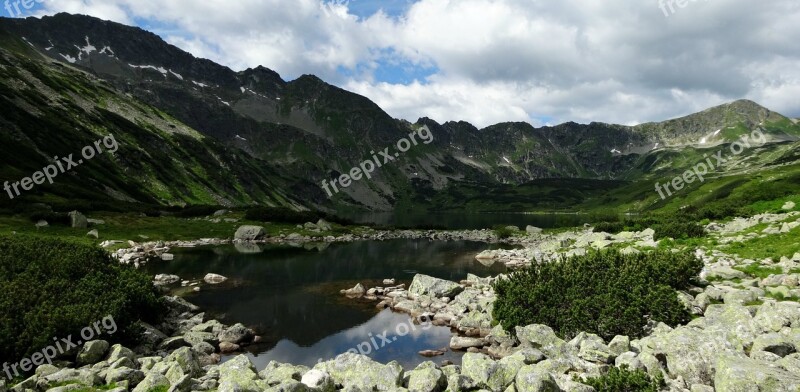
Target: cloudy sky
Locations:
point(488, 61)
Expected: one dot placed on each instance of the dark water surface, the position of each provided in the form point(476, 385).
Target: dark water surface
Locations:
point(290, 295)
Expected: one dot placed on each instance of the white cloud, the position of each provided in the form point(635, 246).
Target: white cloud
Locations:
point(504, 60)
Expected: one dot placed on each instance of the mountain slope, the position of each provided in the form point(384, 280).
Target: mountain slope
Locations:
point(301, 132)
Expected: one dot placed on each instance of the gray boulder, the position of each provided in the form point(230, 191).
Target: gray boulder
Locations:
point(152, 381)
point(361, 372)
point(92, 352)
point(319, 380)
point(428, 285)
point(249, 233)
point(743, 374)
point(78, 220)
point(238, 375)
point(236, 334)
point(531, 379)
point(426, 378)
point(276, 373)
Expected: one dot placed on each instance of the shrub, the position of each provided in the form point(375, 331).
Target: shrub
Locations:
point(609, 227)
point(279, 214)
point(503, 232)
point(678, 230)
point(53, 288)
point(624, 380)
point(605, 292)
point(194, 211)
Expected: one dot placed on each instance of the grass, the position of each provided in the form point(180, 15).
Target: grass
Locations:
point(759, 271)
point(127, 226)
point(772, 246)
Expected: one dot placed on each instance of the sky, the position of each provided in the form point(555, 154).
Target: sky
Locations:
point(491, 61)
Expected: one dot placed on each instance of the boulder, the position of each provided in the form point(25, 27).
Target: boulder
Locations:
point(214, 279)
point(93, 233)
point(488, 374)
point(249, 233)
point(238, 375)
point(362, 373)
point(357, 291)
point(164, 279)
point(426, 378)
point(92, 352)
point(428, 285)
point(461, 343)
point(323, 225)
point(533, 230)
point(152, 381)
point(236, 334)
point(540, 337)
point(532, 379)
point(743, 374)
point(319, 380)
point(276, 373)
point(78, 220)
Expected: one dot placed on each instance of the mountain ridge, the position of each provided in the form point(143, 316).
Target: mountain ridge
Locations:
point(312, 131)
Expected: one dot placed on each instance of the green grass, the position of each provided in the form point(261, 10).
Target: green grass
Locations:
point(772, 246)
point(133, 226)
point(759, 271)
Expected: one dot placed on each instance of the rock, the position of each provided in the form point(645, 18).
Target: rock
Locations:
point(533, 230)
point(431, 353)
point(152, 381)
point(488, 374)
point(167, 256)
point(619, 345)
point(249, 233)
point(540, 337)
point(227, 348)
point(164, 279)
point(238, 375)
point(173, 343)
point(630, 360)
point(319, 380)
point(428, 285)
point(276, 373)
point(92, 352)
point(594, 351)
point(78, 220)
point(778, 344)
point(426, 378)
point(236, 334)
point(361, 372)
point(531, 379)
point(788, 206)
point(93, 233)
point(42, 223)
point(723, 273)
point(214, 279)
point(389, 282)
point(323, 225)
point(118, 352)
point(744, 374)
point(186, 359)
point(356, 291)
point(461, 343)
point(117, 375)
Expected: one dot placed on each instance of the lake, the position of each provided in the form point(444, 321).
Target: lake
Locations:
point(290, 295)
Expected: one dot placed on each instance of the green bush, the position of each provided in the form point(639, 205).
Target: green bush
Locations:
point(678, 230)
point(624, 380)
point(503, 232)
point(53, 289)
point(605, 292)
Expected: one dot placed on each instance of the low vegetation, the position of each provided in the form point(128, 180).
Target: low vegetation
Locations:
point(53, 288)
point(607, 293)
point(625, 380)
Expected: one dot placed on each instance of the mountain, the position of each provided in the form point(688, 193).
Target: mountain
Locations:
point(278, 140)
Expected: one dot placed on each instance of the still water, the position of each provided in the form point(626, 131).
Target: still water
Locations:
point(290, 295)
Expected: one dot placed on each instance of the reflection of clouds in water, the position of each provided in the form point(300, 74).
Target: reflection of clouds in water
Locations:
point(405, 349)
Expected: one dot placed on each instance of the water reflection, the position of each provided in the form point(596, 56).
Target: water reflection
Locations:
point(291, 295)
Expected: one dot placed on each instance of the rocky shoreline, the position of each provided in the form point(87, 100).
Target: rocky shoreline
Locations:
point(743, 337)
